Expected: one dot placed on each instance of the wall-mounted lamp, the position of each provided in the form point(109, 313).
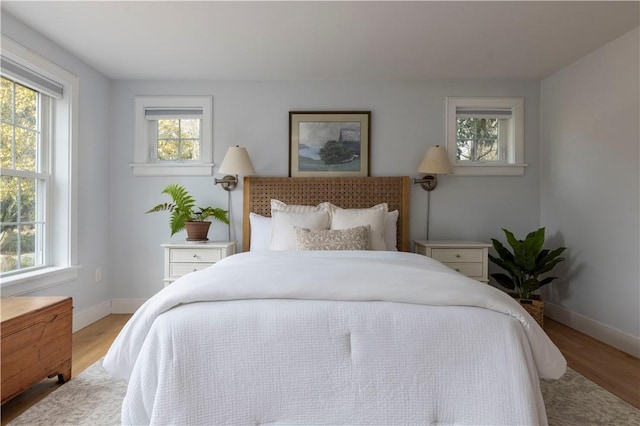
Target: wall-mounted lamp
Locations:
point(236, 162)
point(435, 161)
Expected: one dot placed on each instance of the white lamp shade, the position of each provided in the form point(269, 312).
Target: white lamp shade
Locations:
point(237, 162)
point(435, 161)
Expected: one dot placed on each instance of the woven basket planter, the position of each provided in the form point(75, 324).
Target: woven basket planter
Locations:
point(535, 308)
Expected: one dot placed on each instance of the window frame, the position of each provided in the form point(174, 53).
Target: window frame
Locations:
point(61, 259)
point(145, 139)
point(511, 163)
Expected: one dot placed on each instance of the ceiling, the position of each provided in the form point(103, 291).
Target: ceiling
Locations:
point(327, 40)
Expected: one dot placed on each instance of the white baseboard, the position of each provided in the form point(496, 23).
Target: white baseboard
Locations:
point(91, 315)
point(609, 335)
point(126, 306)
point(95, 313)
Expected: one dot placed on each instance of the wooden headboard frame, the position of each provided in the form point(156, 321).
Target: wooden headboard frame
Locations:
point(345, 192)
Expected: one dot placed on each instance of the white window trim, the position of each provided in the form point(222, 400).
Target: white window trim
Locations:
point(514, 164)
point(143, 165)
point(63, 242)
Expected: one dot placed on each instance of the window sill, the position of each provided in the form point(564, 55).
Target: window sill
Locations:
point(177, 169)
point(489, 170)
point(28, 282)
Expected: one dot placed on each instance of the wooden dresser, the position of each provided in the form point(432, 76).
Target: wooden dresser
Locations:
point(36, 341)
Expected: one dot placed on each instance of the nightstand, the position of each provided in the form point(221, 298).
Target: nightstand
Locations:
point(182, 258)
point(470, 258)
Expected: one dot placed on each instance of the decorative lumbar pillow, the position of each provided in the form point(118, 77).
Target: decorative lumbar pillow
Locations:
point(337, 239)
point(283, 236)
point(375, 217)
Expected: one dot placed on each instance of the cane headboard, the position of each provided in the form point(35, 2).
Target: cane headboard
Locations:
point(345, 192)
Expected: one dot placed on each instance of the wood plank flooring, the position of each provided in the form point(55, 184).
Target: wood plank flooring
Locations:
point(610, 368)
point(614, 370)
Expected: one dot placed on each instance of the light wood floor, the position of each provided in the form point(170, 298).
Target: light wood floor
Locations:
point(612, 369)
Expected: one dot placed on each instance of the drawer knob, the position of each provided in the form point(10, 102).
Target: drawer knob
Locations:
point(195, 255)
point(457, 255)
point(194, 269)
point(457, 270)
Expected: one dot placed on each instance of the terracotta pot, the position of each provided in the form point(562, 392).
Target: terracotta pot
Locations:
point(197, 231)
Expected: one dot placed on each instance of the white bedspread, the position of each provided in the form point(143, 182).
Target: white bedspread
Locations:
point(322, 358)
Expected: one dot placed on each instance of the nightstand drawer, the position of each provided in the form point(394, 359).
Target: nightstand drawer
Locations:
point(470, 269)
point(195, 255)
point(447, 255)
point(183, 258)
point(180, 269)
point(470, 258)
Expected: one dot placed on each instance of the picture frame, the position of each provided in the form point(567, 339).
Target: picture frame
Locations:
point(329, 143)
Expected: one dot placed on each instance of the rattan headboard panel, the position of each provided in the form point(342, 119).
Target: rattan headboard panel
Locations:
point(347, 192)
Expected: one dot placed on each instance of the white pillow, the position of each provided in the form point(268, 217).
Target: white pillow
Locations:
point(260, 232)
point(390, 231)
point(277, 205)
point(375, 217)
point(283, 236)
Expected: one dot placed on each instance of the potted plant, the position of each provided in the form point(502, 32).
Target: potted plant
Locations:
point(523, 266)
point(185, 213)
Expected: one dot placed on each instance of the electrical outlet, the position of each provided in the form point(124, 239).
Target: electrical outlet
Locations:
point(98, 275)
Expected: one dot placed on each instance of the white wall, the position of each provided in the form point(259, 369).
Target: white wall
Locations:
point(590, 190)
point(406, 119)
point(116, 235)
point(93, 175)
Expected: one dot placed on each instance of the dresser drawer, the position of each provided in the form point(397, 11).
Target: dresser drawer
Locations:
point(195, 255)
point(470, 269)
point(180, 269)
point(449, 255)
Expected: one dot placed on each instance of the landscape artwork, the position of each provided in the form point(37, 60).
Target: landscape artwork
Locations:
point(329, 143)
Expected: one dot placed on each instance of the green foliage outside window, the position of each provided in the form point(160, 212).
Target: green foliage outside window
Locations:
point(477, 139)
point(19, 135)
point(178, 139)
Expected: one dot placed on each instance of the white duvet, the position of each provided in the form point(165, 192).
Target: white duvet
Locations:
point(332, 338)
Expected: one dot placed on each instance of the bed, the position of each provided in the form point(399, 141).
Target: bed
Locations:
point(332, 336)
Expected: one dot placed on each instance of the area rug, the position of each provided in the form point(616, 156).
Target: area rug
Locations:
point(94, 398)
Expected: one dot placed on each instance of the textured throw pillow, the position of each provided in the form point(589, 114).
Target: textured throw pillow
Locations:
point(375, 217)
point(260, 232)
point(338, 239)
point(283, 236)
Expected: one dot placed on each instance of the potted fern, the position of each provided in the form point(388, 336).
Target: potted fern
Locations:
point(523, 266)
point(185, 213)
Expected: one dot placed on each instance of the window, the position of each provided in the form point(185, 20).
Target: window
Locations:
point(38, 232)
point(173, 136)
point(25, 178)
point(485, 136)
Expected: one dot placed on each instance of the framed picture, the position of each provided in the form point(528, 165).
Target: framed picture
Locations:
point(329, 143)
